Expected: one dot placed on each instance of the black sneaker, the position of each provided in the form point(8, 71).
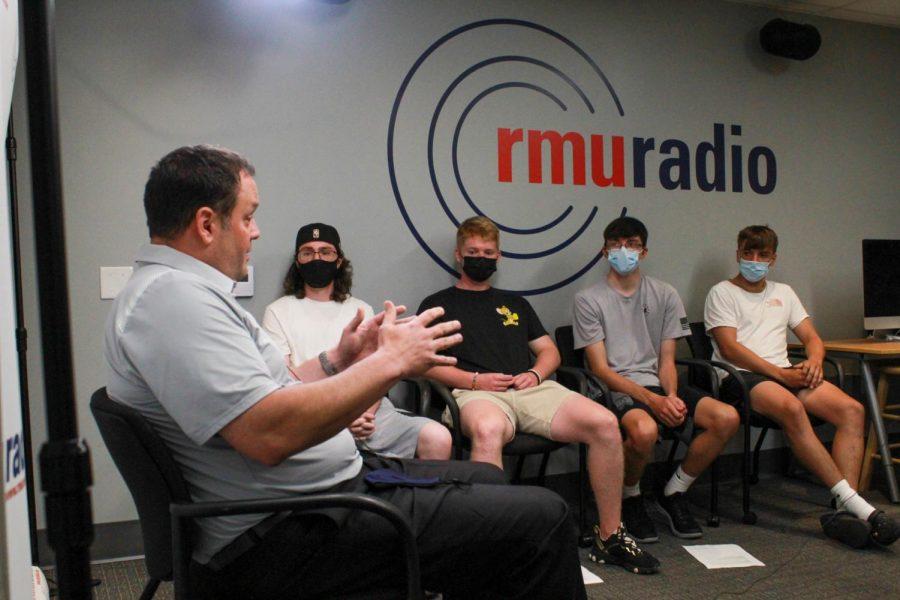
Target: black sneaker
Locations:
point(621, 549)
point(675, 510)
point(885, 530)
point(846, 528)
point(637, 521)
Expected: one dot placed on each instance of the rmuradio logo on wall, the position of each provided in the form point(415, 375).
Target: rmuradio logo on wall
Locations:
point(514, 121)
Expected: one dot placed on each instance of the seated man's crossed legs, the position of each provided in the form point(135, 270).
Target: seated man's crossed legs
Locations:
point(718, 422)
point(839, 470)
point(490, 420)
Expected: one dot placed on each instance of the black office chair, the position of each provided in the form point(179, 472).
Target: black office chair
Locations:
point(574, 359)
point(702, 349)
point(167, 513)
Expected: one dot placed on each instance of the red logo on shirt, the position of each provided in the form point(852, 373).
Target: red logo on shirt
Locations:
point(774, 302)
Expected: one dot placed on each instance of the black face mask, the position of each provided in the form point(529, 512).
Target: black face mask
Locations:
point(318, 273)
point(479, 268)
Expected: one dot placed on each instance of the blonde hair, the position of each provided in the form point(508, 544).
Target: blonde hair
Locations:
point(480, 226)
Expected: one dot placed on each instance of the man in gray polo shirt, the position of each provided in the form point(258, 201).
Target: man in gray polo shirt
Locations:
point(185, 354)
point(628, 324)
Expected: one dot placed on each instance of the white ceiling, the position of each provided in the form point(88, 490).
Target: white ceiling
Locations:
point(881, 12)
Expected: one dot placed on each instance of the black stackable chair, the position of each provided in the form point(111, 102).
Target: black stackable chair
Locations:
point(702, 349)
point(574, 359)
point(167, 512)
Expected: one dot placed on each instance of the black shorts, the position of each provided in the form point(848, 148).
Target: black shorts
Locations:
point(730, 389)
point(689, 395)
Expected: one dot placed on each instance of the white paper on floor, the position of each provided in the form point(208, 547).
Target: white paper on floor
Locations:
point(589, 577)
point(723, 556)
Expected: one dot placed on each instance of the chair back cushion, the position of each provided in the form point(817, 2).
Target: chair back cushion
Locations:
point(152, 476)
point(565, 341)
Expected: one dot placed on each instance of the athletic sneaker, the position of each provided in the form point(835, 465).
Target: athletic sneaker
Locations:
point(885, 530)
point(681, 522)
point(621, 549)
point(637, 521)
point(846, 528)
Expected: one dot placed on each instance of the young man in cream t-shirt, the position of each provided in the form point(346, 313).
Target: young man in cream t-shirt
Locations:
point(748, 318)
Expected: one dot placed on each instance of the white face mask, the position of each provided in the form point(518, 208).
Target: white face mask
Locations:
point(623, 260)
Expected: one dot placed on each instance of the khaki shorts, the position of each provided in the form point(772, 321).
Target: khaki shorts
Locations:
point(530, 410)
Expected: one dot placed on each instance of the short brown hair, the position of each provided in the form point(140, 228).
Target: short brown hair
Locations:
point(187, 179)
point(480, 226)
point(757, 237)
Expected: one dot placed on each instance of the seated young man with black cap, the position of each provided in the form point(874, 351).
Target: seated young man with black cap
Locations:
point(309, 319)
point(500, 389)
point(628, 324)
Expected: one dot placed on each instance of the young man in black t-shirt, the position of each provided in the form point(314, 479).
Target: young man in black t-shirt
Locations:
point(500, 388)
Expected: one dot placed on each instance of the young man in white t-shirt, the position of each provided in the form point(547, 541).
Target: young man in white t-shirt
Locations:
point(748, 318)
point(309, 319)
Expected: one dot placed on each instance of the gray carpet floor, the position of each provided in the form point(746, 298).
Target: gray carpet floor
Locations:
point(799, 561)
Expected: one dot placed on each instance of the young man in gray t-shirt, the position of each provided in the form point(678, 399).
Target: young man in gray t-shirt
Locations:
point(628, 324)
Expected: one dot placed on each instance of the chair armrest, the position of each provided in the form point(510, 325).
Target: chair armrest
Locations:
point(696, 363)
point(573, 378)
point(745, 391)
point(386, 510)
point(578, 376)
point(838, 368)
point(423, 395)
point(442, 393)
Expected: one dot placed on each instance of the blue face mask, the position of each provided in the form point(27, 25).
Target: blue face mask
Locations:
point(753, 271)
point(623, 260)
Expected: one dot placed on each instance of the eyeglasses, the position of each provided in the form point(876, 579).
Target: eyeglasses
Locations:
point(326, 254)
point(630, 244)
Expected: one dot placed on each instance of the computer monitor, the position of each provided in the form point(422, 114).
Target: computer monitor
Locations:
point(881, 285)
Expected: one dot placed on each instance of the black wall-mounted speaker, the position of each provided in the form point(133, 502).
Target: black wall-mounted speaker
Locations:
point(790, 40)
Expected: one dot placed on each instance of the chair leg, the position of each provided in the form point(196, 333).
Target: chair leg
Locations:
point(150, 589)
point(544, 460)
point(517, 476)
point(713, 520)
point(585, 535)
point(749, 518)
point(754, 478)
point(671, 459)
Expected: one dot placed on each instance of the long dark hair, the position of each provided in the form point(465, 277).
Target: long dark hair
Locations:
point(293, 281)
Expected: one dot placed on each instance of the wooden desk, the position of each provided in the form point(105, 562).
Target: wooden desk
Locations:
point(866, 351)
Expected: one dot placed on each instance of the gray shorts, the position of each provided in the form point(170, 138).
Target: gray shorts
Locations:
point(396, 434)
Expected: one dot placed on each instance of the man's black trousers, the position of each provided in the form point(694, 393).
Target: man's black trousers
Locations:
point(478, 538)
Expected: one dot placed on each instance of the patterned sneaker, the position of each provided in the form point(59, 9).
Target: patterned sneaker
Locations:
point(621, 549)
point(681, 522)
point(637, 521)
point(885, 530)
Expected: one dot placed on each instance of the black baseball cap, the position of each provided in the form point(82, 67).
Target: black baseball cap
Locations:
point(317, 232)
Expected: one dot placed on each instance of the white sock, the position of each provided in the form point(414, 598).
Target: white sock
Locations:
point(630, 491)
point(679, 482)
point(847, 499)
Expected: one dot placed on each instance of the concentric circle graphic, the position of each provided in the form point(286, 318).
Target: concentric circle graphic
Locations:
point(427, 178)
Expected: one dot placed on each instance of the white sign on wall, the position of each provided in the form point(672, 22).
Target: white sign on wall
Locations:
point(16, 545)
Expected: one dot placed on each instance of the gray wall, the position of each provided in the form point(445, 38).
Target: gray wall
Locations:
point(306, 92)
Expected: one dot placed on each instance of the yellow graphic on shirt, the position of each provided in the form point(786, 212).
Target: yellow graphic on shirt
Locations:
point(511, 317)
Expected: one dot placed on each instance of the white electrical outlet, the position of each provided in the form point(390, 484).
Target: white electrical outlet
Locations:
point(112, 280)
point(244, 287)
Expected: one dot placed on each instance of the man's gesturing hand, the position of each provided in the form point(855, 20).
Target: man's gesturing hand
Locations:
point(415, 345)
point(359, 339)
